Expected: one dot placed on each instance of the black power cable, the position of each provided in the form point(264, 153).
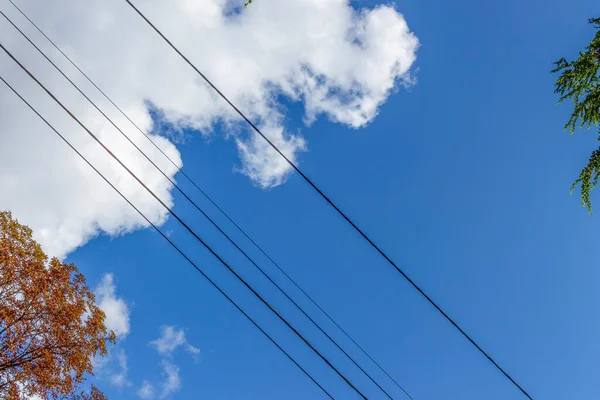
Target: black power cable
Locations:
point(330, 202)
point(187, 227)
point(170, 242)
point(200, 210)
point(193, 182)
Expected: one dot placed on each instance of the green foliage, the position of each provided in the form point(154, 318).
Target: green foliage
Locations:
point(246, 4)
point(579, 81)
point(589, 179)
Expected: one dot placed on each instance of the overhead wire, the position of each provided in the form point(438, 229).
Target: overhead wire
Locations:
point(177, 248)
point(198, 208)
point(314, 186)
point(180, 170)
point(189, 229)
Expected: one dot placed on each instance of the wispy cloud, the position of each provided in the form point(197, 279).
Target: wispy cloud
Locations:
point(146, 391)
point(172, 382)
point(119, 378)
point(171, 339)
point(194, 351)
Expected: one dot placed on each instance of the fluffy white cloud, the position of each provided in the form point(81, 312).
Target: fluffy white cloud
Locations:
point(336, 61)
point(115, 308)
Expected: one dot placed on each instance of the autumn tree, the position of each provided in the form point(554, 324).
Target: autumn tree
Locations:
point(579, 81)
point(50, 326)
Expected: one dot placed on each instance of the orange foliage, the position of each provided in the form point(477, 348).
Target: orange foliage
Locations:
point(50, 327)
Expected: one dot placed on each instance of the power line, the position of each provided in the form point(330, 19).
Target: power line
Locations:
point(180, 170)
point(203, 213)
point(171, 243)
point(331, 203)
point(190, 230)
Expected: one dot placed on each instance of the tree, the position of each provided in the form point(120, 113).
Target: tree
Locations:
point(579, 81)
point(50, 326)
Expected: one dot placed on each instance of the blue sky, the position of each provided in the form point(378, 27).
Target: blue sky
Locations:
point(463, 179)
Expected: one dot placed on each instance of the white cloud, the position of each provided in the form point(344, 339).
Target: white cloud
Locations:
point(114, 366)
point(115, 308)
point(146, 391)
point(262, 163)
point(194, 351)
point(337, 62)
point(172, 382)
point(172, 338)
